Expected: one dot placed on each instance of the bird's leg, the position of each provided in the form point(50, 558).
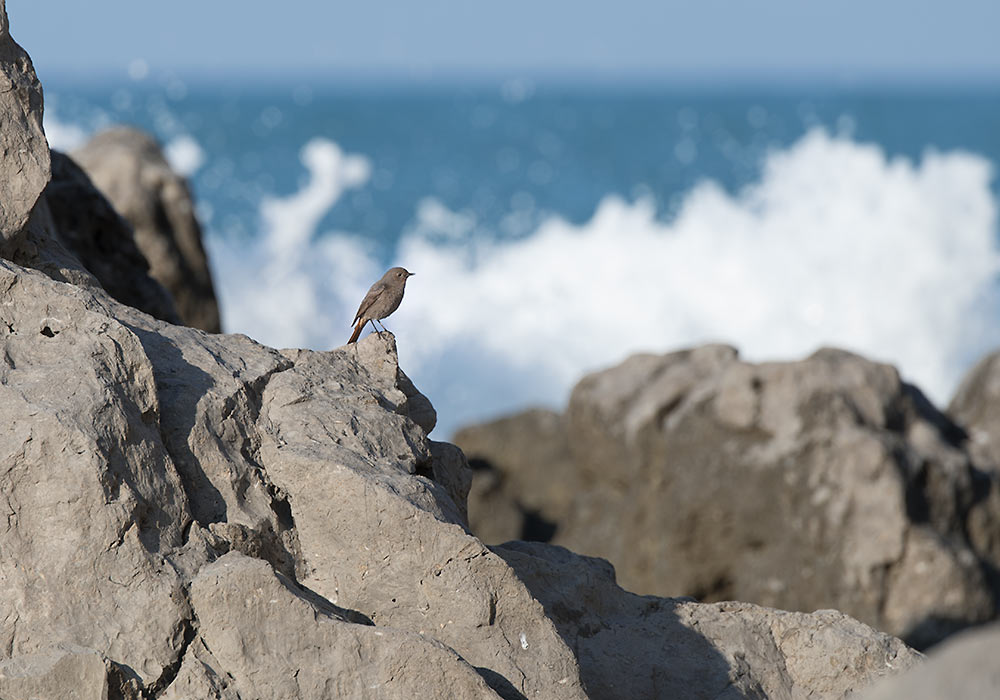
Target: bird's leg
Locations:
point(374, 327)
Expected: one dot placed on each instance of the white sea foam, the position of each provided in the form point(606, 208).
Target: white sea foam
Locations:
point(62, 136)
point(287, 288)
point(184, 155)
point(834, 245)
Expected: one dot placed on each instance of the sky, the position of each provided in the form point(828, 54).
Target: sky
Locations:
point(658, 40)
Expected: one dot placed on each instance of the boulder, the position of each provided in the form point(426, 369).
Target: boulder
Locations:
point(976, 407)
point(67, 672)
point(676, 648)
point(128, 166)
point(962, 668)
point(825, 483)
point(275, 643)
point(25, 152)
point(102, 241)
point(509, 503)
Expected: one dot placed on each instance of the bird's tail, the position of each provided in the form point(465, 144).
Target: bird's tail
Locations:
point(357, 331)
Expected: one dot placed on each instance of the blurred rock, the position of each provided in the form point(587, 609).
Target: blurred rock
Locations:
point(128, 166)
point(976, 407)
point(826, 483)
point(509, 503)
point(963, 668)
point(102, 240)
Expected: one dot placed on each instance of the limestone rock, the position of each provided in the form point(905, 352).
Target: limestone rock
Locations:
point(357, 474)
point(678, 648)
point(25, 152)
point(92, 499)
point(826, 483)
point(275, 644)
point(976, 407)
point(67, 672)
point(962, 668)
point(508, 502)
point(128, 166)
point(102, 240)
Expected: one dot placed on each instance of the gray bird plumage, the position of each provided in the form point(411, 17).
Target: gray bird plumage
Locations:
point(381, 300)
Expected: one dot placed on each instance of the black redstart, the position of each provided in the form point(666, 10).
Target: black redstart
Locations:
point(381, 300)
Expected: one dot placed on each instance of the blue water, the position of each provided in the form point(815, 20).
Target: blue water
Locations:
point(509, 160)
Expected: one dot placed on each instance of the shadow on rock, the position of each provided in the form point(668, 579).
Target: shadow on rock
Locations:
point(181, 386)
point(628, 646)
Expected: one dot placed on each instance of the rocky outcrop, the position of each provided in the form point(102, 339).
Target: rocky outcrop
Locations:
point(22, 142)
point(826, 483)
point(196, 515)
point(677, 648)
point(128, 166)
point(962, 668)
point(102, 241)
point(976, 407)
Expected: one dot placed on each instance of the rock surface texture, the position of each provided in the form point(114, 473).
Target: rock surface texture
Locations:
point(826, 483)
point(963, 668)
point(189, 515)
point(128, 166)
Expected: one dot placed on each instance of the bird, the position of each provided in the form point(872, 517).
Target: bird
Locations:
point(381, 300)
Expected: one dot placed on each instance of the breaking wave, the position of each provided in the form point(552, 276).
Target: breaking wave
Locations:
point(834, 244)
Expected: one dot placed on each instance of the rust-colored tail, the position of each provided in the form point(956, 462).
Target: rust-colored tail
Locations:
point(357, 331)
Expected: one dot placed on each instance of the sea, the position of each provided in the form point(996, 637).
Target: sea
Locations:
point(556, 229)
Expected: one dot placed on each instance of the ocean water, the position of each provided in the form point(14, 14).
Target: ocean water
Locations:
point(554, 231)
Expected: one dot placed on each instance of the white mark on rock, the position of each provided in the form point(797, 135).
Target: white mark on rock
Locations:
point(524, 641)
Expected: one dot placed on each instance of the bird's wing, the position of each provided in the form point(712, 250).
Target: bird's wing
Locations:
point(369, 299)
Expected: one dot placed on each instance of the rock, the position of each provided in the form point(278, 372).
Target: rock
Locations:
point(962, 668)
point(102, 240)
point(678, 648)
point(253, 621)
point(826, 483)
point(67, 672)
point(128, 166)
point(92, 498)
point(378, 535)
point(25, 159)
point(509, 503)
point(976, 407)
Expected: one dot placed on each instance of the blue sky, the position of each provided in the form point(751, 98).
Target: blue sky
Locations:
point(763, 40)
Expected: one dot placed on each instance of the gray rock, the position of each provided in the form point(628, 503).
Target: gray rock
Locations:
point(962, 668)
point(25, 159)
point(273, 643)
point(67, 672)
point(128, 166)
point(677, 648)
point(508, 502)
point(91, 497)
point(103, 242)
point(357, 474)
point(976, 407)
point(826, 483)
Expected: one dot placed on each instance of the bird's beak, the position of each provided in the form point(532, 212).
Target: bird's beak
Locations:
point(410, 274)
